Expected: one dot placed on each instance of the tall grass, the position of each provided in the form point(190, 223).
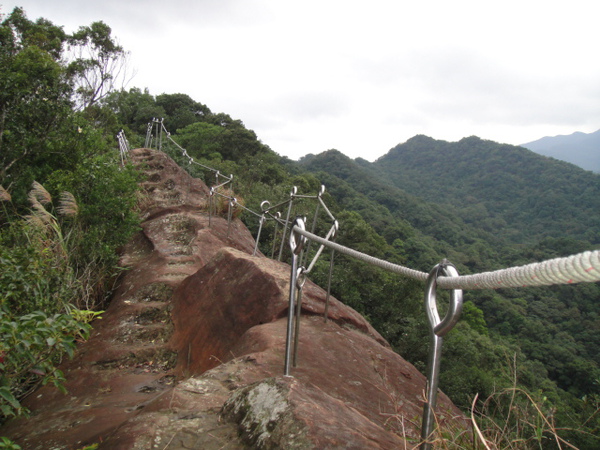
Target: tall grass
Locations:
point(41, 296)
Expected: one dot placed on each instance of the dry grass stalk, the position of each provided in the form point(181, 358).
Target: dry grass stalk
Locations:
point(44, 218)
point(67, 206)
point(475, 426)
point(143, 201)
point(36, 221)
point(4, 195)
point(221, 203)
point(38, 196)
point(40, 193)
point(524, 425)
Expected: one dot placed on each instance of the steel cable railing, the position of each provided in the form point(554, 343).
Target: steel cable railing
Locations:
point(582, 267)
point(154, 134)
point(123, 146)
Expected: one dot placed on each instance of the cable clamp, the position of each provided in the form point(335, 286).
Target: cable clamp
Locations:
point(301, 277)
point(442, 327)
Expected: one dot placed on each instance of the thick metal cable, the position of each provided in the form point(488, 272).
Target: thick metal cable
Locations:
point(228, 197)
point(421, 276)
point(583, 267)
point(190, 159)
point(227, 179)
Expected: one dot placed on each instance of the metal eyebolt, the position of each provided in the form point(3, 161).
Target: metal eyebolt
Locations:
point(335, 228)
point(442, 327)
point(321, 190)
point(439, 328)
point(264, 206)
point(297, 241)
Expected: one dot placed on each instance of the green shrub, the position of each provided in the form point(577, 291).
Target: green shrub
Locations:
point(7, 444)
point(31, 347)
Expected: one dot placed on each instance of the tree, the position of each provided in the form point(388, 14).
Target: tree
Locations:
point(134, 109)
point(181, 110)
point(202, 139)
point(99, 64)
point(39, 131)
point(34, 93)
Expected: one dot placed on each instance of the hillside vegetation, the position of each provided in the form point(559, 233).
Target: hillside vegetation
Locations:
point(480, 204)
point(476, 209)
point(506, 190)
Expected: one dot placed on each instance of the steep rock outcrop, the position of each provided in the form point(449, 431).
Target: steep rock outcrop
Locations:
point(190, 352)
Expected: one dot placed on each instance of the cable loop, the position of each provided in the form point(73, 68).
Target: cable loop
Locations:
point(264, 206)
point(334, 230)
point(442, 327)
point(297, 241)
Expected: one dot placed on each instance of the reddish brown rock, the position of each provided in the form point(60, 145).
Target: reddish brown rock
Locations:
point(190, 352)
point(231, 294)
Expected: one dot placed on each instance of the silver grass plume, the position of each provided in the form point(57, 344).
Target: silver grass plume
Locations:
point(67, 205)
point(38, 221)
point(40, 193)
point(4, 195)
point(37, 197)
point(50, 233)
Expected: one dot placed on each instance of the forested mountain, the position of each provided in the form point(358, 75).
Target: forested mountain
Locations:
point(506, 190)
point(582, 149)
point(487, 206)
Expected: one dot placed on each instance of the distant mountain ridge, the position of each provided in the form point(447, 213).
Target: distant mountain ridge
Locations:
point(506, 191)
point(581, 149)
point(500, 188)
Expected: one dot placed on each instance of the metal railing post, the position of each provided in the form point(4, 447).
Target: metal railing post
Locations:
point(314, 224)
point(296, 244)
point(232, 202)
point(300, 279)
point(261, 221)
point(287, 219)
point(264, 207)
point(210, 206)
point(159, 134)
point(277, 217)
point(149, 134)
point(438, 328)
point(326, 312)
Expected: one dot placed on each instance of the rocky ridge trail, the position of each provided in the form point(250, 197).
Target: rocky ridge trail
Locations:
point(189, 354)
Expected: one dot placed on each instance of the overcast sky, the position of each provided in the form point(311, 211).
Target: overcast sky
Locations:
point(362, 76)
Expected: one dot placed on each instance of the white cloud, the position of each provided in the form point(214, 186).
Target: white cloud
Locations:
point(364, 76)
